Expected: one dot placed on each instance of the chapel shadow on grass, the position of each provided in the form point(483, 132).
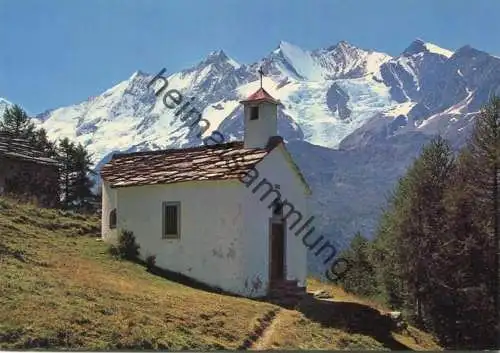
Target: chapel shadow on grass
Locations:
point(190, 282)
point(185, 280)
point(353, 318)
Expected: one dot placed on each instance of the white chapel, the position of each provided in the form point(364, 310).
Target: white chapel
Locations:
point(226, 215)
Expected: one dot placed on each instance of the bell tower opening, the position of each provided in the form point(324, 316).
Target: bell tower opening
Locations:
point(254, 113)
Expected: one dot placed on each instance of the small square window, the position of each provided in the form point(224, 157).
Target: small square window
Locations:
point(254, 113)
point(171, 220)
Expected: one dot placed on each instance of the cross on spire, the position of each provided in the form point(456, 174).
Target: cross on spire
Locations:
point(261, 72)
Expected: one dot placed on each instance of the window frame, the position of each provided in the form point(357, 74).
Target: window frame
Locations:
point(177, 205)
point(253, 109)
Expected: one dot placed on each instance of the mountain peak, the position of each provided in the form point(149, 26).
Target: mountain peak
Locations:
point(344, 45)
point(4, 104)
point(432, 48)
point(284, 46)
point(417, 46)
point(420, 46)
point(298, 62)
point(218, 56)
point(468, 52)
point(4, 101)
point(138, 73)
point(283, 43)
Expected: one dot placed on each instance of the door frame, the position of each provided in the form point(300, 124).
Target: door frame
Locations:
point(282, 222)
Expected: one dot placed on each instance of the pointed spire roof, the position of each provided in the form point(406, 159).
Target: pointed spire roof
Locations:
point(261, 95)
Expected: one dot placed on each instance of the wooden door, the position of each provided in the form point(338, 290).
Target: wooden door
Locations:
point(277, 251)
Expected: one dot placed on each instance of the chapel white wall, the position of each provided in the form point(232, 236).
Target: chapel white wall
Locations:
point(108, 204)
point(210, 248)
point(277, 170)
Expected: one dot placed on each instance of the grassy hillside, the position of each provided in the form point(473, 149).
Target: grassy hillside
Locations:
point(60, 289)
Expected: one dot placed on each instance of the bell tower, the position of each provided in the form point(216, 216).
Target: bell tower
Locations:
point(260, 117)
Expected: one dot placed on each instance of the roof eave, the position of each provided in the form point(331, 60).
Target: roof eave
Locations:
point(256, 101)
point(36, 160)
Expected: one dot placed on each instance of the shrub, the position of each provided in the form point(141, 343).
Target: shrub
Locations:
point(113, 250)
point(127, 248)
point(150, 262)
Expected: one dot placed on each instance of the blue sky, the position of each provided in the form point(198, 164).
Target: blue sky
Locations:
point(59, 52)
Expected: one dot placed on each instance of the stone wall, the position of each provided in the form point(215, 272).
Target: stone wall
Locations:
point(30, 181)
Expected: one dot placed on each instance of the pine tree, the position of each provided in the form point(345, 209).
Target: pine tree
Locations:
point(409, 229)
point(431, 177)
point(41, 142)
point(65, 156)
point(458, 266)
point(484, 148)
point(75, 174)
point(385, 253)
point(436, 251)
point(16, 122)
point(360, 279)
point(82, 183)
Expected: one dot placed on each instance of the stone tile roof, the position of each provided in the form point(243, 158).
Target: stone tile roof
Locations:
point(20, 149)
point(217, 162)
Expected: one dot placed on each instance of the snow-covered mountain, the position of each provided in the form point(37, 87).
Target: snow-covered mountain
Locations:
point(327, 94)
point(438, 91)
point(4, 104)
point(354, 118)
point(313, 86)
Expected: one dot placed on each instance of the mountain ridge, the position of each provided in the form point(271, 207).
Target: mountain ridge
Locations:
point(342, 106)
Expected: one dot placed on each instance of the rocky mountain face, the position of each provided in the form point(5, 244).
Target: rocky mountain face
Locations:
point(354, 119)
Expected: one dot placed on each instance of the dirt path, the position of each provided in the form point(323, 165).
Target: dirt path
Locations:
point(264, 340)
point(261, 331)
